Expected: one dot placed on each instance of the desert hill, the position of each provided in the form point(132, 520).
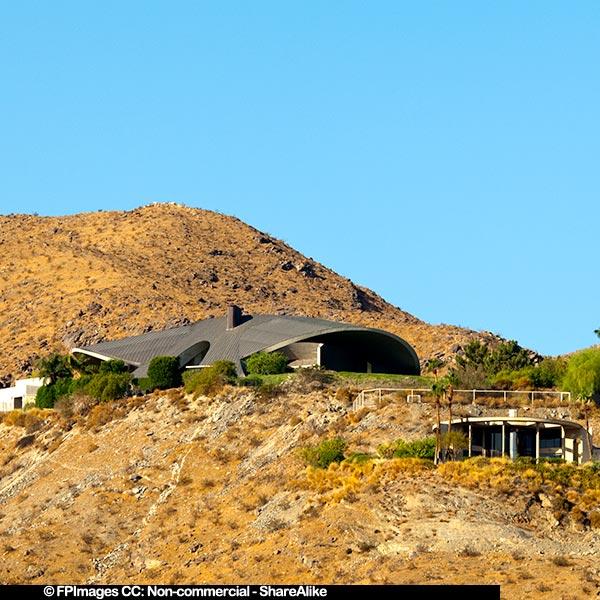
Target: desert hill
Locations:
point(167, 489)
point(84, 278)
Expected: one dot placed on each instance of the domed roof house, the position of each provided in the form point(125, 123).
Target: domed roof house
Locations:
point(305, 341)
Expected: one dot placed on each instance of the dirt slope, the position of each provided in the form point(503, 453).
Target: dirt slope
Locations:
point(93, 276)
point(176, 490)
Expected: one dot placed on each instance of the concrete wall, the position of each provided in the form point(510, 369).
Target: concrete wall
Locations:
point(26, 389)
point(302, 354)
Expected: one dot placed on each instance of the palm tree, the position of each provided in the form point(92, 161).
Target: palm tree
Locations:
point(449, 391)
point(438, 389)
point(54, 367)
point(597, 332)
point(433, 365)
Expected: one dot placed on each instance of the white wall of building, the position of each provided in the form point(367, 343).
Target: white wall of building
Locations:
point(25, 389)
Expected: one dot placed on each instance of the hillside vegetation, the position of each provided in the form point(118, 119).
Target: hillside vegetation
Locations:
point(84, 278)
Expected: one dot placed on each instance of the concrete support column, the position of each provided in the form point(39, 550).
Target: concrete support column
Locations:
point(562, 442)
point(537, 442)
point(470, 440)
point(503, 438)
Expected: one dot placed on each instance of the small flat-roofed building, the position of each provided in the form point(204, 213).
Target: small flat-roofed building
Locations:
point(305, 341)
point(533, 437)
point(20, 394)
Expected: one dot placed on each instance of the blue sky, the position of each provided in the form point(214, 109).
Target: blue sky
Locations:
point(445, 154)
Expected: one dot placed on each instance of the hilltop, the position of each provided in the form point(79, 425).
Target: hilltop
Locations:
point(84, 278)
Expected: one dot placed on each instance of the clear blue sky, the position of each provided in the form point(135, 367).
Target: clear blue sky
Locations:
point(445, 154)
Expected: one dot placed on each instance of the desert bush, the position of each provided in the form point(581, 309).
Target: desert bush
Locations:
point(343, 480)
point(423, 448)
point(25, 441)
point(113, 366)
point(360, 457)
point(64, 407)
point(29, 419)
point(266, 363)
point(106, 386)
point(251, 381)
point(455, 440)
point(594, 517)
point(470, 377)
point(104, 413)
point(345, 395)
point(209, 381)
point(323, 454)
point(164, 373)
point(267, 391)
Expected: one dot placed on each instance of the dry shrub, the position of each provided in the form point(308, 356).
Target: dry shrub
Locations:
point(343, 480)
point(31, 419)
point(104, 413)
point(339, 425)
point(358, 416)
point(25, 441)
point(594, 518)
point(346, 395)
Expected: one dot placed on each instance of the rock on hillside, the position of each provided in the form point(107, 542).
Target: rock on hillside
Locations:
point(84, 278)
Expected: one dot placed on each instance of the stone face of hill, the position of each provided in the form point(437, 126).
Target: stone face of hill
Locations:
point(164, 489)
point(85, 278)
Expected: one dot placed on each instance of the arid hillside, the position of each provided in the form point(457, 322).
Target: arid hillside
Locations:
point(85, 278)
point(168, 489)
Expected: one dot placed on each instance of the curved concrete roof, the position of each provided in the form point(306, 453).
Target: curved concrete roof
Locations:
point(524, 421)
point(253, 334)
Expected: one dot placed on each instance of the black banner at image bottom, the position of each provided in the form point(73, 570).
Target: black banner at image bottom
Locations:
point(333, 592)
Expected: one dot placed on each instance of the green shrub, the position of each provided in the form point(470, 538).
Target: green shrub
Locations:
point(360, 458)
point(423, 448)
point(113, 366)
point(582, 376)
point(323, 454)
point(266, 363)
point(208, 381)
point(164, 373)
point(107, 386)
point(267, 391)
point(549, 373)
point(143, 384)
point(48, 394)
point(45, 397)
point(251, 381)
point(481, 362)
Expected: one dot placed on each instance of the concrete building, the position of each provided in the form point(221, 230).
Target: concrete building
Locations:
point(512, 436)
point(305, 341)
point(20, 395)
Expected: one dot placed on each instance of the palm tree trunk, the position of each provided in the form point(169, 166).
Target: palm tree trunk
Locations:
point(437, 431)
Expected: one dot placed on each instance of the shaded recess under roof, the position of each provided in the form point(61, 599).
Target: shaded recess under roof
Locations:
point(334, 345)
